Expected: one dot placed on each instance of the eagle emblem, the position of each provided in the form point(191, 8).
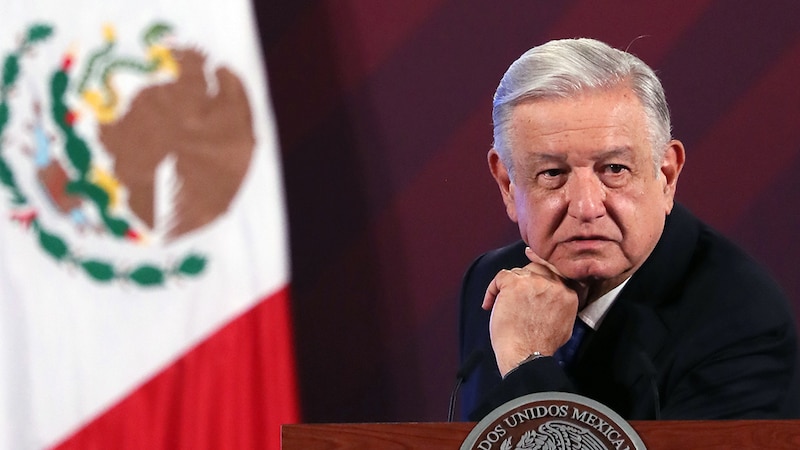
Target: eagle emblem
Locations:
point(556, 435)
point(121, 146)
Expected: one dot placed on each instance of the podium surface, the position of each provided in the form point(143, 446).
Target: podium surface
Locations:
point(656, 435)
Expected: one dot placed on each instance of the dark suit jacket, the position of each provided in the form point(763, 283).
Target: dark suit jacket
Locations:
point(699, 332)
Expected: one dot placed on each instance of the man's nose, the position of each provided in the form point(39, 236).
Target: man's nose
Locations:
point(586, 195)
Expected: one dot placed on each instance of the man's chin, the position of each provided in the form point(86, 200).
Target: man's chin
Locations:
point(591, 272)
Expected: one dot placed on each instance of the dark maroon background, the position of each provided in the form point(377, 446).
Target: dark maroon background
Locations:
point(383, 109)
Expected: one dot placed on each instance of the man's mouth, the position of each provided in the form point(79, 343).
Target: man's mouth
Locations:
point(587, 243)
point(588, 238)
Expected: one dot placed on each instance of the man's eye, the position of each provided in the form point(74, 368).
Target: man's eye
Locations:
point(551, 173)
point(615, 175)
point(551, 178)
point(616, 168)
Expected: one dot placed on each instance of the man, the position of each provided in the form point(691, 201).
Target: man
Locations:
point(681, 324)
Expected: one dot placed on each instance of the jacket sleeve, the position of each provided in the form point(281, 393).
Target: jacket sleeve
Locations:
point(484, 389)
point(539, 375)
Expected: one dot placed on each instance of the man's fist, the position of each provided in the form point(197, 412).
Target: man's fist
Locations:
point(533, 310)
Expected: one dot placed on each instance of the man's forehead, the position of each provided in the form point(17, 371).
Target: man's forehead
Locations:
point(534, 156)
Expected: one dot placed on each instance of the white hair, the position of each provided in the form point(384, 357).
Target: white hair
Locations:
point(566, 68)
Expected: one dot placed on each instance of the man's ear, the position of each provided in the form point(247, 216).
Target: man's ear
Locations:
point(501, 176)
point(671, 166)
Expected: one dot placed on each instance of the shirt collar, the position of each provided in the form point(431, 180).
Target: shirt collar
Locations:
point(594, 313)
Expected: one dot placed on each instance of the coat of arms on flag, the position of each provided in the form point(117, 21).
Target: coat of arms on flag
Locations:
point(143, 252)
point(123, 146)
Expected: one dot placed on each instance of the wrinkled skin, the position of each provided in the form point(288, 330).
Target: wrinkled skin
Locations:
point(590, 204)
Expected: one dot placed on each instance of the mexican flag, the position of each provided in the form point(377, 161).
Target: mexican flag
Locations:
point(144, 271)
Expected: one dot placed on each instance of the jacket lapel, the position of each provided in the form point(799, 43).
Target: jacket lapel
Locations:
point(620, 363)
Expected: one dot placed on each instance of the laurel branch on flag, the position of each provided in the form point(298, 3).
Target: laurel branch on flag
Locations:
point(81, 184)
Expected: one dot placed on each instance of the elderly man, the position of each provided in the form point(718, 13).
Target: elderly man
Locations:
point(614, 292)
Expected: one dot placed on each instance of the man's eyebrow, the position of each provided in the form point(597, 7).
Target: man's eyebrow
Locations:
point(538, 158)
point(623, 151)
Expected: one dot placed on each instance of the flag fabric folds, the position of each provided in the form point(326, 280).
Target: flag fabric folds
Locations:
point(144, 276)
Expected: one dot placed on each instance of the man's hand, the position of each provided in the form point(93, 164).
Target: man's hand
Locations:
point(533, 310)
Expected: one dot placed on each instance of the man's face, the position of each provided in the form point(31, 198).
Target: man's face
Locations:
point(586, 194)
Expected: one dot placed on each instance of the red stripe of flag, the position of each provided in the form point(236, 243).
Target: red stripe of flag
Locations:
point(231, 391)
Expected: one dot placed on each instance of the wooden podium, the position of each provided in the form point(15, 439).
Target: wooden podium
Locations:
point(656, 435)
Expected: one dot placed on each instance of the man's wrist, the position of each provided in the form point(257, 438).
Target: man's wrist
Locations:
point(531, 357)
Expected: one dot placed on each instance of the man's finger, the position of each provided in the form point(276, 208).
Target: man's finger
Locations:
point(539, 260)
point(576, 286)
point(493, 290)
point(490, 296)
